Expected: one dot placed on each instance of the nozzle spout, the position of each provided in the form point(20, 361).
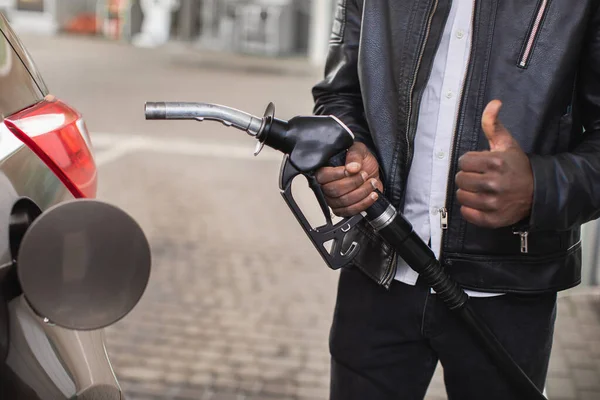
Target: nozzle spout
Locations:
point(201, 111)
point(156, 110)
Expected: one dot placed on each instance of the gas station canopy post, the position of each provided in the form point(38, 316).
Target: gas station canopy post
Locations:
point(320, 26)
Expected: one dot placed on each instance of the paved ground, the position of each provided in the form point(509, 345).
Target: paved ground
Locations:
point(239, 304)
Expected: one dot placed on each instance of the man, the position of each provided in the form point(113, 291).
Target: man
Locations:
point(470, 115)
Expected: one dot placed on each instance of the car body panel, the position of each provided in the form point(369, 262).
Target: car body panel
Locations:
point(18, 87)
point(57, 363)
point(21, 52)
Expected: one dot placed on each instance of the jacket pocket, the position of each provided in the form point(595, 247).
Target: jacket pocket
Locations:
point(521, 242)
point(375, 257)
point(533, 33)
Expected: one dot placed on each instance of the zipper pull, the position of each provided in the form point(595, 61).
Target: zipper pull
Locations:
point(443, 218)
point(524, 244)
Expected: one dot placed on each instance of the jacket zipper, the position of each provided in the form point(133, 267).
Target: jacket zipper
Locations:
point(414, 81)
point(391, 272)
point(522, 229)
point(443, 218)
point(524, 244)
point(444, 210)
point(525, 56)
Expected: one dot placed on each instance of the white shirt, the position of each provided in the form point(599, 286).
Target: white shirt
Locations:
point(428, 177)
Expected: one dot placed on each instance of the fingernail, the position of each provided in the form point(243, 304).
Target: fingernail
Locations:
point(346, 173)
point(374, 196)
point(374, 183)
point(364, 175)
point(354, 165)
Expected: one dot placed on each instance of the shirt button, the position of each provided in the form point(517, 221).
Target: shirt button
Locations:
point(460, 34)
point(441, 155)
point(434, 210)
point(449, 94)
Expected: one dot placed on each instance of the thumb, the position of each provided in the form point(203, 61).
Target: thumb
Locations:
point(354, 158)
point(498, 136)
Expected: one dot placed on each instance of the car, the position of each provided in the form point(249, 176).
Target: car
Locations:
point(63, 274)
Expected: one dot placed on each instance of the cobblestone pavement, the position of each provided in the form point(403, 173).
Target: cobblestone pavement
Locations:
point(239, 304)
point(575, 363)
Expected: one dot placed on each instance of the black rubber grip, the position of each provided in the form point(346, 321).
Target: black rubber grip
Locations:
point(445, 287)
point(155, 110)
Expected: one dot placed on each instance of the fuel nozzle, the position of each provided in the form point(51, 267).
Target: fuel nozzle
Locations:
point(231, 117)
point(204, 111)
point(311, 141)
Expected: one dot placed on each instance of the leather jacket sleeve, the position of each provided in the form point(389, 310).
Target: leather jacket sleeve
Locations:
point(339, 93)
point(567, 185)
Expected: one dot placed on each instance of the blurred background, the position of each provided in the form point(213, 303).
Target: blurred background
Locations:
point(239, 303)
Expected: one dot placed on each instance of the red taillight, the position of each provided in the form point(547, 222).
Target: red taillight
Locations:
point(57, 134)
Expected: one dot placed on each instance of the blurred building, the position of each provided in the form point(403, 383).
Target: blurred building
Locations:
point(263, 27)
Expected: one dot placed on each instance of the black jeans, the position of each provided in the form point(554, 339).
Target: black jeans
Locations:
point(386, 344)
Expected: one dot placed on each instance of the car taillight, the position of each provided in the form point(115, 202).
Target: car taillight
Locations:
point(57, 134)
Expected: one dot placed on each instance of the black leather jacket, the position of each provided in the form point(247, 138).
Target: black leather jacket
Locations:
point(542, 59)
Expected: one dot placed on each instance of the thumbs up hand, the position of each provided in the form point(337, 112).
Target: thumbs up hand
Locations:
point(495, 188)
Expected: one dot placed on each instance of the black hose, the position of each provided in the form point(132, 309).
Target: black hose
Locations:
point(498, 353)
point(393, 227)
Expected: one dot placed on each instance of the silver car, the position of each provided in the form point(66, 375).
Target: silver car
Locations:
point(70, 265)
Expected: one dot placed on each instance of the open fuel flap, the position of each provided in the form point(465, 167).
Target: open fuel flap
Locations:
point(82, 264)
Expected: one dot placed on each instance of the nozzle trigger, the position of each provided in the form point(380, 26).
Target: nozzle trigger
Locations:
point(337, 256)
point(316, 188)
